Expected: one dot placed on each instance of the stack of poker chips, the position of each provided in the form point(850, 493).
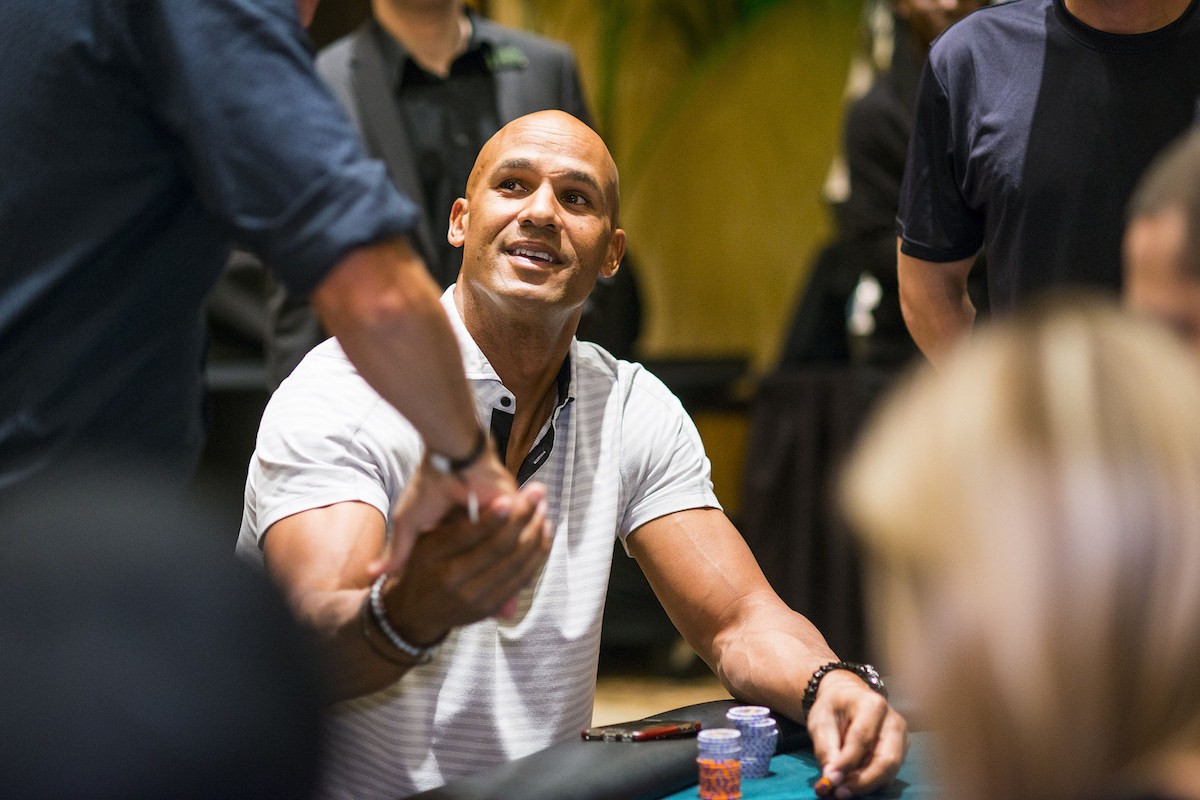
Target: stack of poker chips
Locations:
point(717, 754)
point(760, 733)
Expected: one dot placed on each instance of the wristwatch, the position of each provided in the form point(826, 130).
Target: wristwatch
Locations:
point(456, 466)
point(868, 673)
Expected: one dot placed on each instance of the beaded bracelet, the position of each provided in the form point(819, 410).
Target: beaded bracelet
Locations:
point(868, 673)
point(419, 655)
point(380, 647)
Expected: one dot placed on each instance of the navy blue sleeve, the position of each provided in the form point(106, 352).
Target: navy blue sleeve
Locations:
point(269, 150)
point(934, 222)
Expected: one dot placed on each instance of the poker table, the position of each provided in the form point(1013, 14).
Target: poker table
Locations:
point(596, 770)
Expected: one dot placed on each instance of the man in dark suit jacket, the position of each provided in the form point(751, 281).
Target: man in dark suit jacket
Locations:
point(427, 83)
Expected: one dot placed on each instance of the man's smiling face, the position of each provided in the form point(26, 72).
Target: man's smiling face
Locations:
point(538, 223)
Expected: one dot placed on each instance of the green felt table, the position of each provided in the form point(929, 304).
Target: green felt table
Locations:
point(794, 773)
point(586, 770)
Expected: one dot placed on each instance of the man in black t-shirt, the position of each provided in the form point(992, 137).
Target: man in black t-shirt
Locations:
point(875, 142)
point(1034, 120)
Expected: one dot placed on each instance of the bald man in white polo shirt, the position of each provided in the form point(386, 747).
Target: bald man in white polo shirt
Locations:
point(479, 643)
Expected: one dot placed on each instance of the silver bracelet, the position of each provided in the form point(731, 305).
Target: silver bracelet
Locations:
point(421, 655)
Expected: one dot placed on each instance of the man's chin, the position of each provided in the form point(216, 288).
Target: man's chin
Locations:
point(542, 299)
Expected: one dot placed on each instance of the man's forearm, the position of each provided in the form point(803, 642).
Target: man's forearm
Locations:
point(318, 557)
point(357, 664)
point(384, 308)
point(934, 300)
point(769, 658)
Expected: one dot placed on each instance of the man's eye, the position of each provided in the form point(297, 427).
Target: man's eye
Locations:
point(575, 199)
point(509, 184)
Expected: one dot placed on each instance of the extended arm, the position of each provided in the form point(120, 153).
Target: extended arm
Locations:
point(935, 303)
point(384, 309)
point(319, 557)
point(715, 593)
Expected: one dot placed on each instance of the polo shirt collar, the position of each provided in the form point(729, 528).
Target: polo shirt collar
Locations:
point(478, 368)
point(494, 400)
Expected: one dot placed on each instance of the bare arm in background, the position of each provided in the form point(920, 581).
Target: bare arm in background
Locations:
point(933, 297)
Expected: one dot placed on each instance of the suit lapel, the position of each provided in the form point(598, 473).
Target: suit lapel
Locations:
point(512, 87)
point(384, 129)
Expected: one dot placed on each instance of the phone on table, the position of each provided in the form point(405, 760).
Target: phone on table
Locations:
point(643, 730)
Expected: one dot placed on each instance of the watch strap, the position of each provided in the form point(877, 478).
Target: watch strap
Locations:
point(454, 466)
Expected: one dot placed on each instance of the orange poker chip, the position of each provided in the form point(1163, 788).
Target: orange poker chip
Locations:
point(720, 780)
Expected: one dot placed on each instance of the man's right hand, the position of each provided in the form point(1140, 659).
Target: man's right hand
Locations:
point(461, 573)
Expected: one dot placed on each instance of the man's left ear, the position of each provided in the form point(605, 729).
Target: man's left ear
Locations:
point(616, 251)
point(457, 232)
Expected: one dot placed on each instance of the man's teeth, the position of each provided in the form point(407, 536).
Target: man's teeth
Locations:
point(538, 254)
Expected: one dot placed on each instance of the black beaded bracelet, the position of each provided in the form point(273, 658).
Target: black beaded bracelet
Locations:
point(868, 673)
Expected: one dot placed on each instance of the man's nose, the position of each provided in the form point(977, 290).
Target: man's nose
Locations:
point(541, 208)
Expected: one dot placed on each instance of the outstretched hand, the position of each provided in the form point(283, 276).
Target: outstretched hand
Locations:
point(431, 495)
point(462, 572)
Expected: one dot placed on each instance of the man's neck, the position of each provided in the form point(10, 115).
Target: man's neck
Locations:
point(527, 359)
point(1127, 16)
point(434, 32)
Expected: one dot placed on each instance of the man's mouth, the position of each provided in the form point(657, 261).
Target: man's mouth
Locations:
point(533, 252)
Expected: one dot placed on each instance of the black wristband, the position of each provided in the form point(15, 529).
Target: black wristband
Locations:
point(454, 466)
point(868, 673)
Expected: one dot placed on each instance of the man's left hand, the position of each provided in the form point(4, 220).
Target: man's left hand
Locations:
point(858, 738)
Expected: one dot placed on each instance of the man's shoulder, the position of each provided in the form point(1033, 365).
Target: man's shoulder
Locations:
point(595, 367)
point(324, 378)
point(531, 44)
point(999, 26)
point(601, 373)
point(326, 410)
point(338, 54)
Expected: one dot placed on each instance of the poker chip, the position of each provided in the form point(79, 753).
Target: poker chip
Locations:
point(717, 755)
point(720, 780)
point(759, 736)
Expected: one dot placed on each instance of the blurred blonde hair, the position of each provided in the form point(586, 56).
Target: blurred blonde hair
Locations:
point(1172, 181)
point(1035, 513)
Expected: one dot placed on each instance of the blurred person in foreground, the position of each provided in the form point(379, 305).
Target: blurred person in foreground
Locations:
point(1035, 511)
point(1162, 241)
point(138, 660)
point(438, 681)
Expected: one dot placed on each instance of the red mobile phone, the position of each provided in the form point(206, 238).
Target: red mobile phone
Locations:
point(643, 730)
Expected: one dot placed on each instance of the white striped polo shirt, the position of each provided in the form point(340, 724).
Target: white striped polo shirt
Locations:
point(624, 453)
